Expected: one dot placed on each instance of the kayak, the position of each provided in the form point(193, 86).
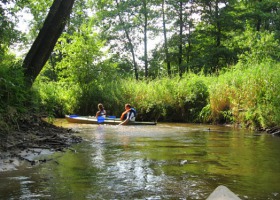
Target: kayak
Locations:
point(112, 120)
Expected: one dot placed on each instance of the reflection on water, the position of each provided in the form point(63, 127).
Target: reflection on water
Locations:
point(166, 161)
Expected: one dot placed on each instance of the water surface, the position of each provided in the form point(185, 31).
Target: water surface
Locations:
point(166, 161)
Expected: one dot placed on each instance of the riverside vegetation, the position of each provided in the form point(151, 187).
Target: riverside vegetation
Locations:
point(224, 70)
point(247, 95)
point(244, 95)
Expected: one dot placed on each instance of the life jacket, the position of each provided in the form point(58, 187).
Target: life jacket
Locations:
point(124, 114)
point(134, 111)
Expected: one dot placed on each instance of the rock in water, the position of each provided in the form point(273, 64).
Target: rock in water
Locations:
point(222, 193)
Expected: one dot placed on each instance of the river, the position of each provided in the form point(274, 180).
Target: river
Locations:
point(166, 161)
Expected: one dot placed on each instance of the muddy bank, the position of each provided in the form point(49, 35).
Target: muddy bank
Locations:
point(30, 141)
point(275, 131)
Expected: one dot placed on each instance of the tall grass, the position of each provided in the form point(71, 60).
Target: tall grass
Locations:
point(177, 99)
point(245, 95)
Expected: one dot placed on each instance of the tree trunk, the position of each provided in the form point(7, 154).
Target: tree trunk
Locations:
point(218, 35)
point(181, 40)
point(44, 43)
point(165, 40)
point(145, 38)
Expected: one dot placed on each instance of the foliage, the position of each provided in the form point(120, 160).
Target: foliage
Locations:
point(8, 33)
point(233, 51)
point(165, 99)
point(13, 92)
point(257, 47)
point(247, 95)
point(15, 98)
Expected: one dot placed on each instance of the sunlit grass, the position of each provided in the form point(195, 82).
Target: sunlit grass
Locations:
point(244, 95)
point(249, 96)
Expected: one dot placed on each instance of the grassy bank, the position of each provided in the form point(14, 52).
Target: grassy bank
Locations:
point(247, 95)
point(244, 95)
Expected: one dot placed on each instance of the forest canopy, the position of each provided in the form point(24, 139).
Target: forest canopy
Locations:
point(187, 60)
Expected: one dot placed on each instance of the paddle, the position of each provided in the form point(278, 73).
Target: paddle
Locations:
point(111, 117)
point(73, 116)
point(100, 119)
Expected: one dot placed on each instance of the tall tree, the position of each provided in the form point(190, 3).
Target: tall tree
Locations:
point(211, 35)
point(261, 14)
point(8, 33)
point(119, 22)
point(167, 57)
point(180, 54)
point(145, 13)
point(44, 43)
point(130, 44)
point(181, 16)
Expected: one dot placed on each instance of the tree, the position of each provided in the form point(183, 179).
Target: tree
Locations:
point(118, 21)
point(44, 43)
point(179, 14)
point(165, 39)
point(130, 44)
point(145, 13)
point(211, 49)
point(8, 34)
point(180, 54)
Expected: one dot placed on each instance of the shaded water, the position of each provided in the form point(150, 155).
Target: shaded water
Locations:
point(166, 161)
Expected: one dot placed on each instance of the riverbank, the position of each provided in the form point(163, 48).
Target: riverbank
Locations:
point(30, 141)
point(273, 131)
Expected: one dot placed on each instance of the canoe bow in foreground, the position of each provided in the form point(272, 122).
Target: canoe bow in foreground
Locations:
point(93, 120)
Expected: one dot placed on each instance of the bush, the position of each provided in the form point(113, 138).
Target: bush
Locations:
point(16, 100)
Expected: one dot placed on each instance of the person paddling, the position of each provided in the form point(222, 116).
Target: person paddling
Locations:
point(128, 115)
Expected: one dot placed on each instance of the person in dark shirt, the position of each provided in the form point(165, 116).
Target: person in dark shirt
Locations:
point(128, 115)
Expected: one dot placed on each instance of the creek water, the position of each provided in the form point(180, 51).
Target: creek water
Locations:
point(166, 161)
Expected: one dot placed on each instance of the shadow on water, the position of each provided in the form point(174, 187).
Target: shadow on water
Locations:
point(166, 161)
